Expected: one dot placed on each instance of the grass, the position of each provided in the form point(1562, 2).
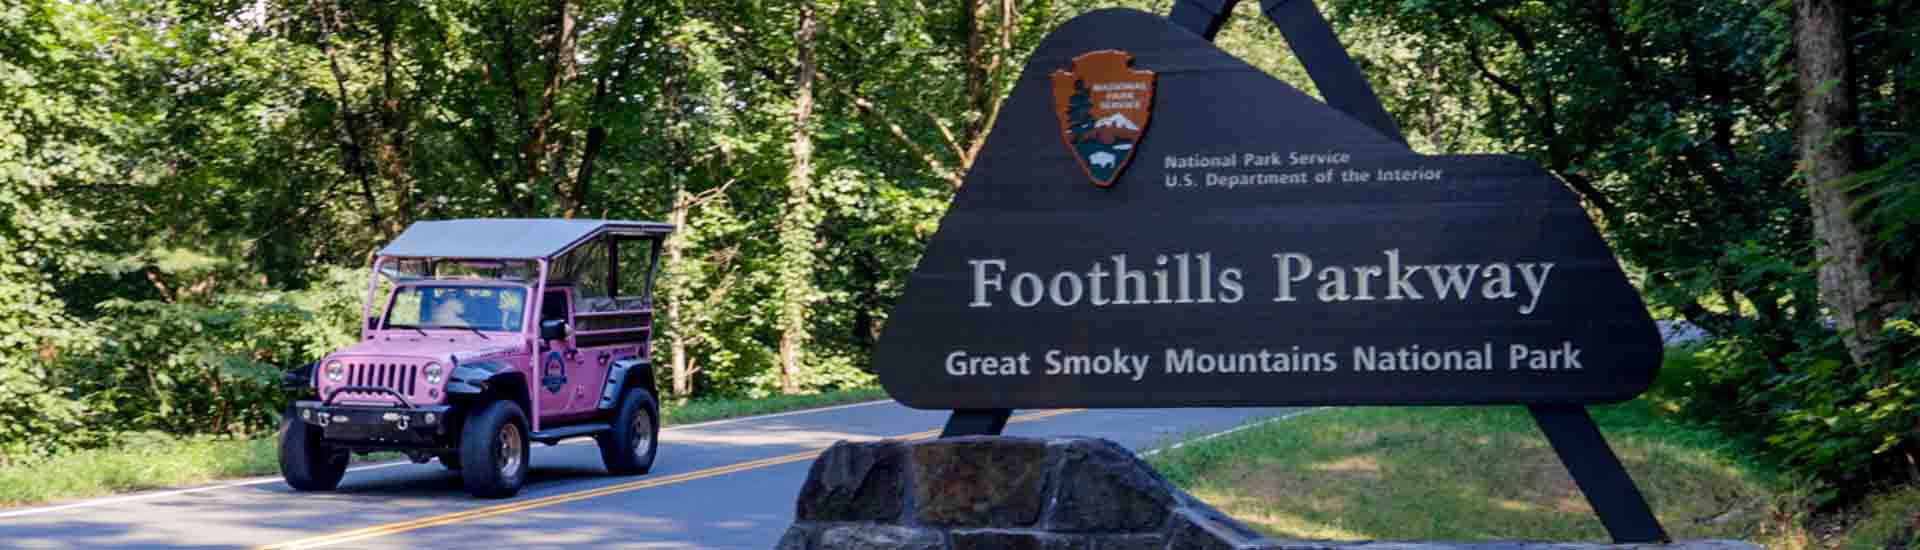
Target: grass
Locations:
point(152, 463)
point(161, 461)
point(1476, 473)
point(1890, 521)
point(702, 410)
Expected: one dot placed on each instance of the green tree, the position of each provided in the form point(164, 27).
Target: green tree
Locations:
point(44, 146)
point(799, 223)
point(1079, 109)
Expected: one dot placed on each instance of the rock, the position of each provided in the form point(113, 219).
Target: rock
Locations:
point(1014, 540)
point(1203, 529)
point(1501, 545)
point(1104, 488)
point(979, 481)
point(871, 536)
point(855, 482)
point(1129, 542)
point(798, 537)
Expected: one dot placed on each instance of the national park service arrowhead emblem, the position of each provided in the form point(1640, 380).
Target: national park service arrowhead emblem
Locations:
point(1103, 104)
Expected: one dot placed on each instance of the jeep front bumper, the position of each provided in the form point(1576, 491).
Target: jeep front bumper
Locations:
point(375, 425)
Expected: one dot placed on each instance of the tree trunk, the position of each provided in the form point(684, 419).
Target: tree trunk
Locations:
point(798, 228)
point(1830, 149)
point(977, 71)
point(541, 145)
point(395, 154)
point(983, 62)
point(677, 340)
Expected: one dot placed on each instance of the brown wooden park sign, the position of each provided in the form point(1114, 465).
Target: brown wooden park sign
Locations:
point(1257, 247)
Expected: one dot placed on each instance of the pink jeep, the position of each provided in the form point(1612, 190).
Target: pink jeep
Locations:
point(495, 334)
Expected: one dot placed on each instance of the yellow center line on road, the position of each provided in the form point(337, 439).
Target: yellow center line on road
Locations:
point(563, 498)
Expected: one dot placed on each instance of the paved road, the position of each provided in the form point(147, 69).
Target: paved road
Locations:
point(722, 485)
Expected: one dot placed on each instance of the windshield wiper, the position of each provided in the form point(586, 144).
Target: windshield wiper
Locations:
point(415, 328)
point(483, 335)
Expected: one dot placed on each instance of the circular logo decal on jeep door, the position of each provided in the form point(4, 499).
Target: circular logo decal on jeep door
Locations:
point(553, 374)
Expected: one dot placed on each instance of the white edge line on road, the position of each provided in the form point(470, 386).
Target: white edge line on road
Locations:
point(103, 501)
point(775, 415)
point(1230, 431)
point(157, 494)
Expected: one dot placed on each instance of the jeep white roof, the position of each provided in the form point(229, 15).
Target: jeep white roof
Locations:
point(520, 239)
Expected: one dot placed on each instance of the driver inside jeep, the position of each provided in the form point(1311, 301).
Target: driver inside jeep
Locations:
point(449, 312)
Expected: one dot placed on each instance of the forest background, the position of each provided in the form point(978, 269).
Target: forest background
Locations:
point(190, 190)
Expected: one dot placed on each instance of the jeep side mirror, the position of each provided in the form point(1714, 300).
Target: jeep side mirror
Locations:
point(373, 323)
point(553, 329)
point(298, 378)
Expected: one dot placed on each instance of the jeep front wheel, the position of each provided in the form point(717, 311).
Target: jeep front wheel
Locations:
point(628, 448)
point(494, 450)
point(305, 461)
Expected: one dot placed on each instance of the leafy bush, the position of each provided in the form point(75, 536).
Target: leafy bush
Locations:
point(151, 366)
point(1852, 427)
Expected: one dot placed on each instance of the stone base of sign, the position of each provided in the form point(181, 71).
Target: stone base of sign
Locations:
point(980, 493)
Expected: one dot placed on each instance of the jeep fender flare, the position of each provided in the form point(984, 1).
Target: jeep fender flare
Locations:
point(623, 375)
point(299, 378)
point(489, 379)
point(474, 378)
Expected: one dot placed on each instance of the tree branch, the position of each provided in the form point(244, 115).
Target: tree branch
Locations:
point(560, 70)
point(606, 86)
point(939, 168)
point(1479, 62)
point(355, 152)
point(1616, 39)
point(509, 77)
point(952, 143)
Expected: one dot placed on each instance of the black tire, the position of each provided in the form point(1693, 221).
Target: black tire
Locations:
point(629, 448)
point(450, 461)
point(305, 461)
point(494, 448)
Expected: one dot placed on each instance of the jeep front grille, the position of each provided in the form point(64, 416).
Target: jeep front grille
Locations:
point(394, 376)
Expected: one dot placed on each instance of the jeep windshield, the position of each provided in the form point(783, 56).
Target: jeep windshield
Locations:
point(458, 307)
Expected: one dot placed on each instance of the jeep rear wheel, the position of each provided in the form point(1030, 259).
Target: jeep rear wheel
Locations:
point(628, 448)
point(494, 451)
point(305, 461)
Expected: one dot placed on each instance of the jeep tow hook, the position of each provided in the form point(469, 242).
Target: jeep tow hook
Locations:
point(399, 420)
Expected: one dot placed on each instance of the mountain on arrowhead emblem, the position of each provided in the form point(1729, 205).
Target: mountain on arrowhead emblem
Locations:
point(1103, 104)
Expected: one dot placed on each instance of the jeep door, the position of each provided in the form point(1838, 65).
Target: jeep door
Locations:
point(612, 310)
point(554, 365)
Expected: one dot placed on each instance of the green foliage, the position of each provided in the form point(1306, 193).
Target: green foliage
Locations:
point(209, 368)
point(1661, 115)
point(1674, 122)
point(1849, 425)
point(185, 188)
point(1886, 86)
point(37, 225)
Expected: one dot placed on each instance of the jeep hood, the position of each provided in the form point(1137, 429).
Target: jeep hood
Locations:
point(441, 348)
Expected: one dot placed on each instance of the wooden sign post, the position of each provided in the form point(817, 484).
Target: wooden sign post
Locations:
point(1155, 223)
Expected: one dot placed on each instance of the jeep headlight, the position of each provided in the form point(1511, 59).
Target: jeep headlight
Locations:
point(433, 372)
point(336, 371)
